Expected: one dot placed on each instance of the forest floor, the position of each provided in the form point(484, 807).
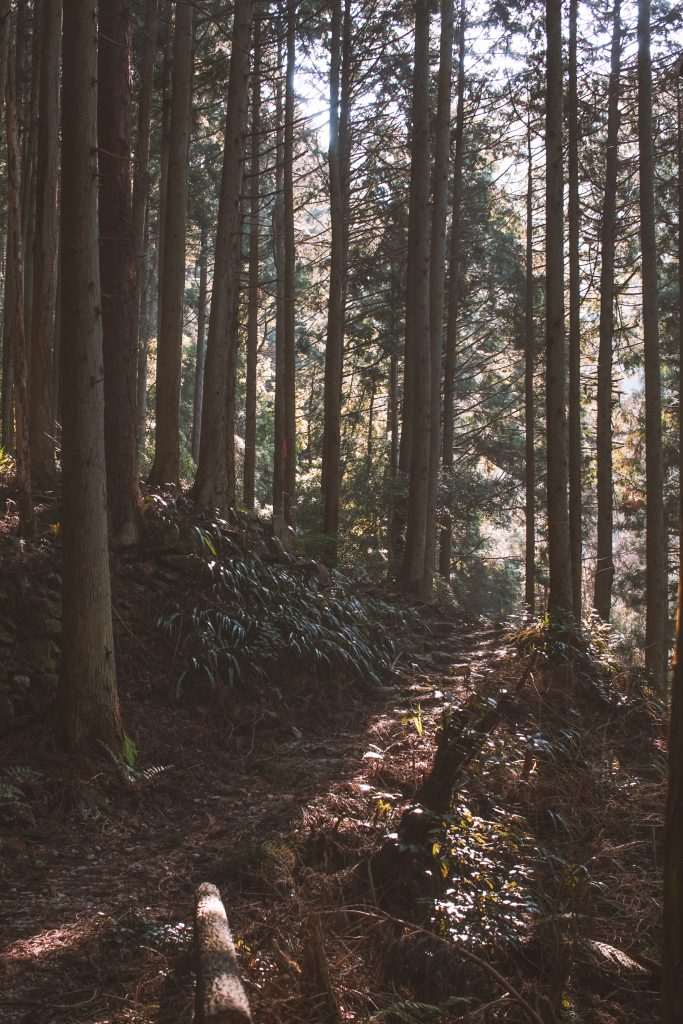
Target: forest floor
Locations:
point(545, 889)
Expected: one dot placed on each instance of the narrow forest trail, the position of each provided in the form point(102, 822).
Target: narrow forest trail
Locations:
point(279, 802)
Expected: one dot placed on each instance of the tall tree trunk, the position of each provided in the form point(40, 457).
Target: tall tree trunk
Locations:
point(212, 486)
point(529, 395)
point(28, 158)
point(15, 313)
point(334, 344)
point(45, 252)
point(166, 466)
point(437, 273)
point(6, 403)
point(279, 261)
point(574, 393)
point(657, 611)
point(604, 570)
point(198, 403)
point(672, 960)
point(418, 300)
point(88, 704)
point(118, 271)
point(446, 533)
point(559, 555)
point(140, 213)
point(290, 274)
point(254, 240)
point(164, 151)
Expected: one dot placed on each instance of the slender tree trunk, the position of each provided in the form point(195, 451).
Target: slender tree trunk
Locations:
point(574, 394)
point(279, 260)
point(15, 313)
point(201, 343)
point(6, 404)
point(28, 159)
point(166, 466)
point(334, 345)
point(140, 213)
point(88, 704)
point(147, 321)
point(45, 252)
point(437, 273)
point(254, 240)
point(290, 274)
point(165, 145)
point(118, 271)
point(559, 555)
point(657, 611)
point(529, 395)
point(672, 960)
point(446, 533)
point(604, 572)
point(418, 298)
point(212, 487)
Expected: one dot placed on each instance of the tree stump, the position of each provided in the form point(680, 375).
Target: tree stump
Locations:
point(220, 996)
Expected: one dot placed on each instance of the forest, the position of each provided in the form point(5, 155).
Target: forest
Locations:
point(341, 511)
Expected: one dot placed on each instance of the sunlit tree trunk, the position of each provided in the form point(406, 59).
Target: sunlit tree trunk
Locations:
point(290, 274)
point(446, 532)
point(200, 363)
point(437, 273)
point(418, 301)
point(279, 441)
point(166, 466)
point(141, 185)
point(672, 959)
point(88, 704)
point(529, 395)
point(657, 612)
point(331, 454)
point(574, 393)
point(559, 555)
point(214, 482)
point(604, 570)
point(254, 265)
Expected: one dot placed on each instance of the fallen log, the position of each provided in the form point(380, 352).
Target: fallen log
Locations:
point(220, 997)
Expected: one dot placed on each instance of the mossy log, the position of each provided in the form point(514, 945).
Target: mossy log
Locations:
point(220, 996)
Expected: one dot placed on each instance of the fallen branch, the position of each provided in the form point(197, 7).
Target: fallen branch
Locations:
point(220, 996)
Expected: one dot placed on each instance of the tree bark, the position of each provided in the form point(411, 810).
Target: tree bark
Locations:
point(657, 611)
point(118, 271)
point(279, 261)
point(437, 273)
point(45, 240)
point(418, 300)
point(15, 313)
point(672, 960)
point(166, 466)
point(574, 393)
point(529, 395)
point(604, 570)
point(212, 486)
point(559, 556)
point(334, 345)
point(6, 398)
point(88, 704)
point(140, 214)
point(200, 365)
point(254, 240)
point(289, 382)
point(446, 533)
